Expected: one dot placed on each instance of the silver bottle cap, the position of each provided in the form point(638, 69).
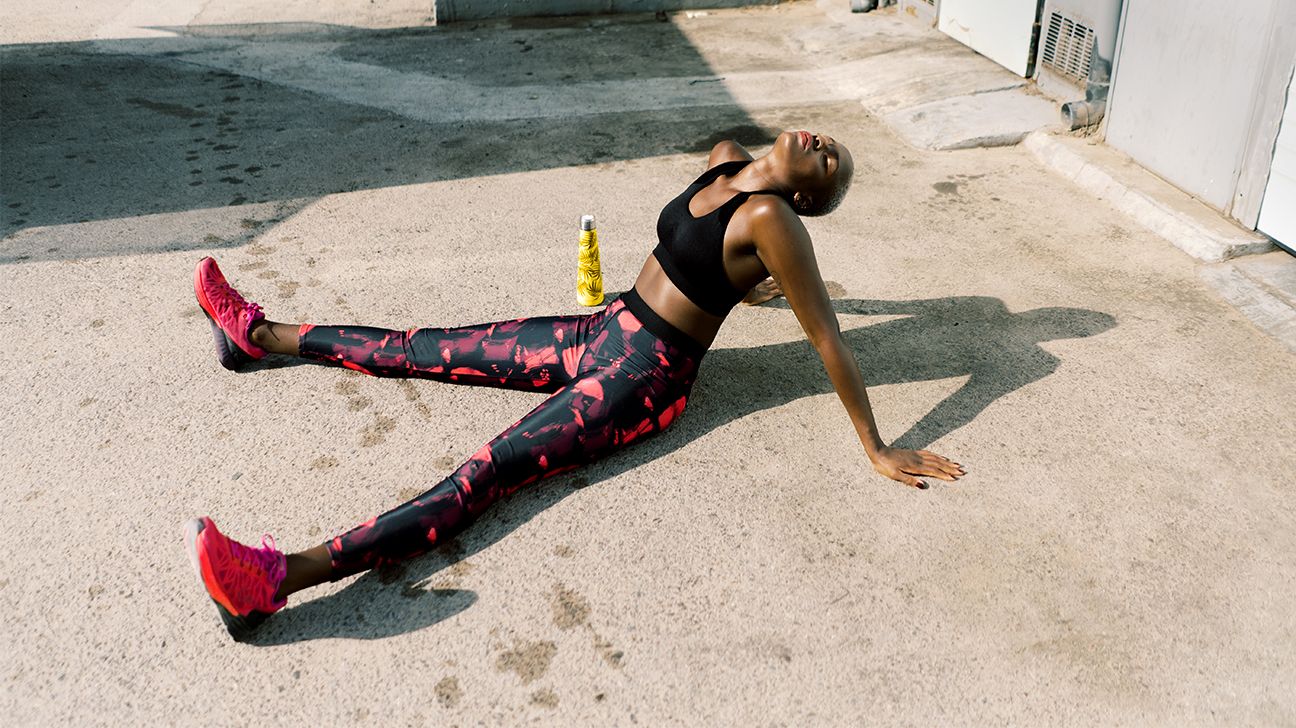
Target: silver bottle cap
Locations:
point(587, 222)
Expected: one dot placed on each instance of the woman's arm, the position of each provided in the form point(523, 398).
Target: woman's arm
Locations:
point(783, 245)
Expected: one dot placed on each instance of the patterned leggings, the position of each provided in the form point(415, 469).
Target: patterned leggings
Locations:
point(616, 375)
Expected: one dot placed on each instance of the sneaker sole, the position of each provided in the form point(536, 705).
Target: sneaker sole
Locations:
point(227, 352)
point(230, 355)
point(238, 627)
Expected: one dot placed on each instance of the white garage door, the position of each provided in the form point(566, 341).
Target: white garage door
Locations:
point(1278, 211)
point(997, 29)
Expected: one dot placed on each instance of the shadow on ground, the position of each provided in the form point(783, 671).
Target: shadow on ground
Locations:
point(974, 337)
point(100, 131)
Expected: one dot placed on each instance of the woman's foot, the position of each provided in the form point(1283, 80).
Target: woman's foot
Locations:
point(243, 581)
point(232, 316)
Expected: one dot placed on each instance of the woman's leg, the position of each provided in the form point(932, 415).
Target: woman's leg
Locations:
point(583, 421)
point(275, 338)
point(537, 354)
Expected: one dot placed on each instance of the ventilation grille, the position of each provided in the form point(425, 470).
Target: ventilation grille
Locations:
point(930, 2)
point(1068, 47)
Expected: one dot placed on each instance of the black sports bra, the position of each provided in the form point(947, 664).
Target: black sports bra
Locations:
point(691, 249)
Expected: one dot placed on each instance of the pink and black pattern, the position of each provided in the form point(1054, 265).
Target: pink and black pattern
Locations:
point(617, 376)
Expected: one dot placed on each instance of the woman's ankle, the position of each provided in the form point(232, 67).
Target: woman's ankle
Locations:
point(259, 333)
point(305, 569)
point(275, 337)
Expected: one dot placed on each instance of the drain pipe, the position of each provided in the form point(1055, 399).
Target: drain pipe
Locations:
point(1080, 114)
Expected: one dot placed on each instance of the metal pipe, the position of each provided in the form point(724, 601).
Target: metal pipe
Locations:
point(1079, 114)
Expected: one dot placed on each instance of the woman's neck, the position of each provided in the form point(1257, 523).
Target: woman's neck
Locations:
point(758, 176)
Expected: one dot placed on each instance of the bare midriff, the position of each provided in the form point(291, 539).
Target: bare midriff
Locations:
point(662, 296)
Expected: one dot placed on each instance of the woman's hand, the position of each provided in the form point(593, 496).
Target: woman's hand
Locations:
point(762, 292)
point(906, 465)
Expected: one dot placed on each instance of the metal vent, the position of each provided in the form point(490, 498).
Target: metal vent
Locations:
point(1068, 47)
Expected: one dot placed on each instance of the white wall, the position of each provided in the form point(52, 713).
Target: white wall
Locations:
point(1187, 78)
point(1278, 211)
point(997, 29)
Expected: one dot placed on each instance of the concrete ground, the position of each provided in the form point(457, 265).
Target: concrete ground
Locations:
point(1122, 552)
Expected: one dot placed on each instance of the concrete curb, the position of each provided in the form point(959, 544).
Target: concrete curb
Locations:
point(998, 118)
point(1263, 300)
point(1186, 233)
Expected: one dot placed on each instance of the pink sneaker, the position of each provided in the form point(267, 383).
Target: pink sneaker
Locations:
point(241, 580)
point(230, 314)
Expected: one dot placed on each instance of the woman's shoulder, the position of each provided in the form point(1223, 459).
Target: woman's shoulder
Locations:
point(771, 211)
point(727, 151)
point(768, 219)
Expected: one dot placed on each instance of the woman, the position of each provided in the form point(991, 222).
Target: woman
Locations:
point(616, 375)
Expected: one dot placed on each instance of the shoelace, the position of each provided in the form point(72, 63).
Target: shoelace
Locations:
point(266, 558)
point(252, 308)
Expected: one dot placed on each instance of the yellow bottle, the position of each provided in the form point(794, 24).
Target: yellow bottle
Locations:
point(589, 276)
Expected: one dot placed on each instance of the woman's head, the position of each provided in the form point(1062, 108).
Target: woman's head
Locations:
point(814, 168)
